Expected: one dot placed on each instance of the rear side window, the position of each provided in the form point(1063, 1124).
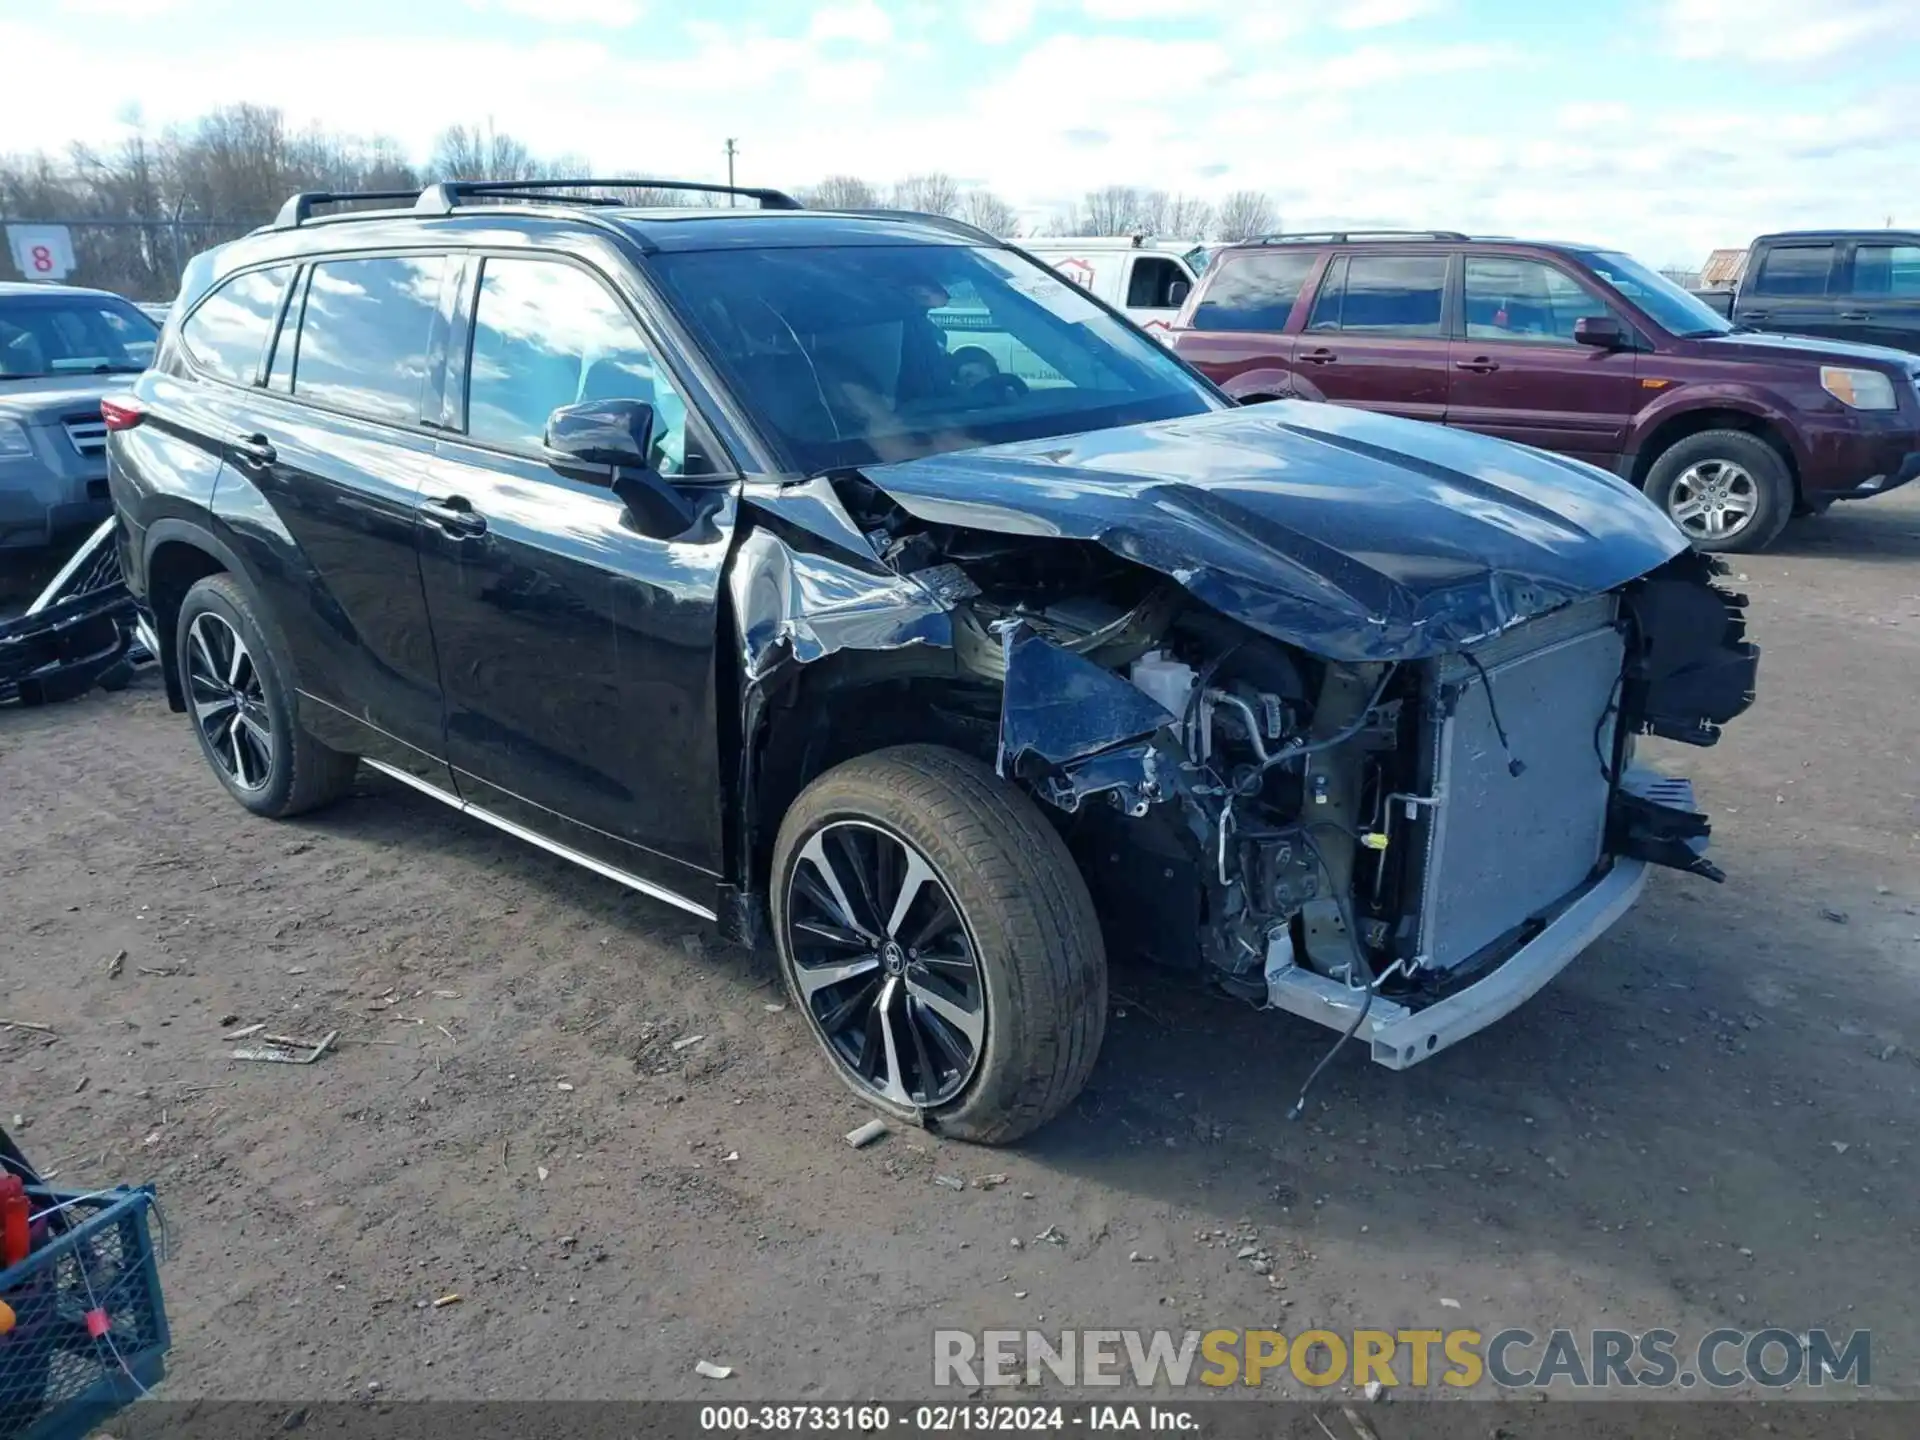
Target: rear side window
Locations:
point(1794, 270)
point(363, 335)
point(227, 332)
point(1384, 295)
point(1887, 270)
point(1254, 292)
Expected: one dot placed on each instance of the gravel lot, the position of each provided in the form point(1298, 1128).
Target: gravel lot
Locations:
point(1706, 1121)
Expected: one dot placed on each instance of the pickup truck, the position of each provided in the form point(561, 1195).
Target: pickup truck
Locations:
point(1859, 285)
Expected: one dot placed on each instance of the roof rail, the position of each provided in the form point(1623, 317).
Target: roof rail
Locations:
point(1343, 237)
point(299, 208)
point(444, 196)
point(939, 222)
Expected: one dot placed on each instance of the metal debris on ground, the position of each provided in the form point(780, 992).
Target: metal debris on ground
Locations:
point(684, 1041)
point(446, 1300)
point(1838, 917)
point(116, 964)
point(1360, 1427)
point(1449, 1304)
point(541, 1171)
point(773, 1007)
point(565, 1086)
point(711, 1370)
point(1052, 1235)
point(866, 1134)
point(27, 1025)
point(244, 1031)
point(950, 1182)
point(287, 1050)
point(1136, 1258)
point(989, 1182)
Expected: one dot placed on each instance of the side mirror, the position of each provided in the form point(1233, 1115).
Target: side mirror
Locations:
point(1177, 293)
point(607, 442)
point(1603, 332)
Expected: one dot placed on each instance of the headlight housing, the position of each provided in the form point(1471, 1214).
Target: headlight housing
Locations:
point(1858, 389)
point(13, 440)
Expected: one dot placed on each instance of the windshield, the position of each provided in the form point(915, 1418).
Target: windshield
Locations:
point(43, 335)
point(1670, 307)
point(854, 354)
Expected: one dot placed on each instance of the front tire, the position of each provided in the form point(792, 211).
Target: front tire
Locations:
point(240, 700)
point(934, 931)
point(1727, 490)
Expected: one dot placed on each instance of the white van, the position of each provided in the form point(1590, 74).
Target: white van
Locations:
point(1149, 279)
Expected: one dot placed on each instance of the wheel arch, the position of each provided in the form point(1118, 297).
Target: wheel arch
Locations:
point(1674, 428)
point(179, 553)
point(835, 709)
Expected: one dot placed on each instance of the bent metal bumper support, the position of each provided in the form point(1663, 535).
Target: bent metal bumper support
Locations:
point(1399, 1037)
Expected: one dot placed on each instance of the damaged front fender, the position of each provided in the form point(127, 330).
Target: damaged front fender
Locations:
point(1072, 729)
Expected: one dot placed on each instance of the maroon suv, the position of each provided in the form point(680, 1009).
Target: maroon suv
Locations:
point(1574, 349)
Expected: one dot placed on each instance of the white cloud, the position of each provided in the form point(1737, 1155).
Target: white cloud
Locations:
point(119, 9)
point(1378, 14)
point(861, 21)
point(1788, 32)
point(607, 14)
point(996, 22)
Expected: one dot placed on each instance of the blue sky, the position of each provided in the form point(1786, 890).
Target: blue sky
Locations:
point(1662, 126)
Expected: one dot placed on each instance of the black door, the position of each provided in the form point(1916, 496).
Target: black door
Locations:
point(576, 654)
point(1787, 291)
point(322, 486)
point(1882, 301)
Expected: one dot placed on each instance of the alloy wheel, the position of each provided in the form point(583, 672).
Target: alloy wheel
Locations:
point(885, 964)
point(229, 706)
point(1713, 499)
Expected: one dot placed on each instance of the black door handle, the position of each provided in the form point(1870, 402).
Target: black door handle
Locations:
point(1322, 356)
point(1855, 315)
point(1480, 365)
point(254, 449)
point(455, 515)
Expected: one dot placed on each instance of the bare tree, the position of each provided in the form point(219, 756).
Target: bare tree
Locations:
point(1245, 215)
point(990, 213)
point(480, 152)
point(1183, 217)
point(1116, 210)
point(934, 193)
point(842, 192)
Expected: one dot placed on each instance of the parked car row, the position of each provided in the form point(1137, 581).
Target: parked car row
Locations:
point(1575, 349)
point(855, 581)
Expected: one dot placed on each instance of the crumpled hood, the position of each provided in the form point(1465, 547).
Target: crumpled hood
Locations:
point(1352, 535)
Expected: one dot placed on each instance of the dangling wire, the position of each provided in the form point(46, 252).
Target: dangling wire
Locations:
point(1515, 766)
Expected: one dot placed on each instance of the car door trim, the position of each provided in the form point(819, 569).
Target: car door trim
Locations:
point(552, 847)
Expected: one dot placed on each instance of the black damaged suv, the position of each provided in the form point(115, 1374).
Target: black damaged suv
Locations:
point(853, 577)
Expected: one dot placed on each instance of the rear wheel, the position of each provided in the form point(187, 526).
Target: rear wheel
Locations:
point(240, 700)
point(938, 938)
point(1725, 489)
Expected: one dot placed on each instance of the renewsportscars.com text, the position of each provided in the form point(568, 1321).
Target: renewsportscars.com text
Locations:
point(1459, 1359)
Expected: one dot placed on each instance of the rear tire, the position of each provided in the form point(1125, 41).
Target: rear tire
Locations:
point(240, 701)
point(1025, 919)
point(1727, 490)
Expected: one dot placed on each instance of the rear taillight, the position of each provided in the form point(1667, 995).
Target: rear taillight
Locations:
point(122, 413)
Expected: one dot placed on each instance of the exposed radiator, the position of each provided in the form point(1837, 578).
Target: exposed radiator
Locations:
point(1500, 848)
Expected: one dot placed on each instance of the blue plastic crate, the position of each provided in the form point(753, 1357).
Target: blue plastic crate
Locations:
point(90, 1331)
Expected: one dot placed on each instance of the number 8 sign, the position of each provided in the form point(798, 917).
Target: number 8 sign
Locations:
point(41, 252)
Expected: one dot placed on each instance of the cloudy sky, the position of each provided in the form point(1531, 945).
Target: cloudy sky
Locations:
point(1665, 126)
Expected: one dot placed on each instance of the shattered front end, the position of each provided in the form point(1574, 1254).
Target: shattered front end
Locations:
point(1424, 842)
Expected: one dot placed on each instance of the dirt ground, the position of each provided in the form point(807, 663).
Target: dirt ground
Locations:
point(1706, 1121)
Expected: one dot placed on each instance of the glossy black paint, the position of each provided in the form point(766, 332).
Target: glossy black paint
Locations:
point(536, 644)
point(1353, 535)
